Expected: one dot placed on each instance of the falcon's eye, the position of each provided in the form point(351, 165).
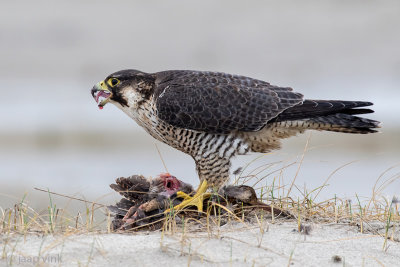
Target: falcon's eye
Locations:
point(113, 82)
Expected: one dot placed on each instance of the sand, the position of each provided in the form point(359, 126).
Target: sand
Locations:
point(233, 245)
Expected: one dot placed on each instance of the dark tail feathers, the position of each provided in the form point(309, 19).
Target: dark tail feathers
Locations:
point(332, 115)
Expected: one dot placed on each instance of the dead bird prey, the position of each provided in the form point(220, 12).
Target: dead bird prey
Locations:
point(214, 116)
point(145, 197)
point(145, 200)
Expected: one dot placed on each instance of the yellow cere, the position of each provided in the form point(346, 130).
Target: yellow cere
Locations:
point(102, 85)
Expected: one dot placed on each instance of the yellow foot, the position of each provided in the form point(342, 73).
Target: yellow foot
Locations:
point(196, 200)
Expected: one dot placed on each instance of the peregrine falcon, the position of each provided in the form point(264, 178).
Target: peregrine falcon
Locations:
point(215, 116)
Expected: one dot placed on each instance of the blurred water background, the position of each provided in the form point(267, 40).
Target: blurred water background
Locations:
point(51, 53)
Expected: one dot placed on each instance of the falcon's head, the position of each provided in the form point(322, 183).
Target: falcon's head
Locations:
point(125, 88)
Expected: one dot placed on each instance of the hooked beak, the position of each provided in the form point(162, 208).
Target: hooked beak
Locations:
point(101, 94)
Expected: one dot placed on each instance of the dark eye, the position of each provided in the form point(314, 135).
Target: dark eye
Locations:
point(113, 82)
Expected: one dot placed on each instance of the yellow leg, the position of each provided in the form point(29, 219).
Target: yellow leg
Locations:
point(196, 200)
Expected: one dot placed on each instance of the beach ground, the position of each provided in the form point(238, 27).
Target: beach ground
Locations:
point(234, 244)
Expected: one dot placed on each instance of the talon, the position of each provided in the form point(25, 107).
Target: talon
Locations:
point(196, 200)
point(183, 195)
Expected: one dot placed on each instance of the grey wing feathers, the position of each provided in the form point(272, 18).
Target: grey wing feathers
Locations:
point(219, 102)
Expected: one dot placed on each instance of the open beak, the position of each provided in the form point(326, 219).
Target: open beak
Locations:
point(101, 94)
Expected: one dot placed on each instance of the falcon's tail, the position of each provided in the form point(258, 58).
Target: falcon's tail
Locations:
point(322, 115)
point(331, 115)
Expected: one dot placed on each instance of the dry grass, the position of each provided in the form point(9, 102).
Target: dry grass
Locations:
point(377, 214)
